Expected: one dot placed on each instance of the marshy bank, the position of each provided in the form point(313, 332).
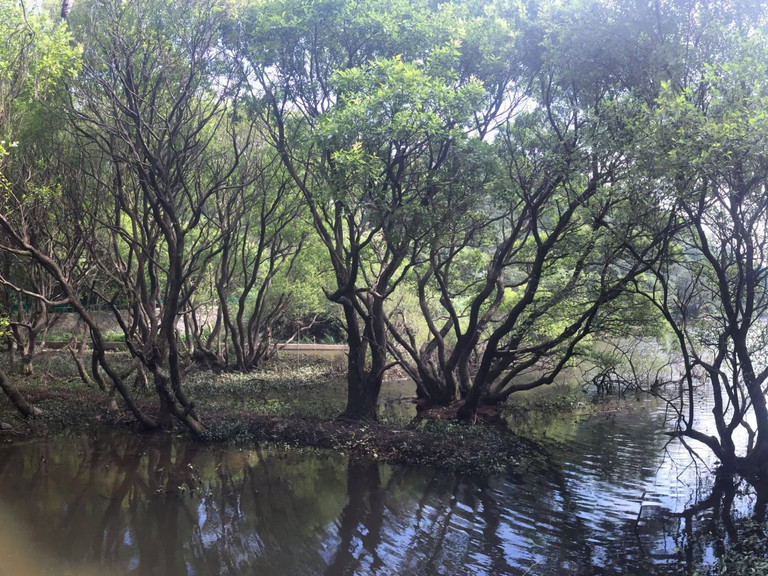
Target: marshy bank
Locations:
point(293, 401)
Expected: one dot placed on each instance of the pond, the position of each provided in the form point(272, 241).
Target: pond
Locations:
point(604, 497)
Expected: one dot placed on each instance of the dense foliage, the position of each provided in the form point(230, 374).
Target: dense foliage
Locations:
point(482, 194)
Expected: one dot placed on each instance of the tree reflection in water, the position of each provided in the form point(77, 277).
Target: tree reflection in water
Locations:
point(160, 506)
point(732, 518)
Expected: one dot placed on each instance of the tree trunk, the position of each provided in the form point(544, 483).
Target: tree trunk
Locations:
point(78, 358)
point(468, 410)
point(27, 368)
point(362, 398)
point(77, 350)
point(17, 398)
point(363, 384)
point(363, 387)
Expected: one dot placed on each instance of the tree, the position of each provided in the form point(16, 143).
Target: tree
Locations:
point(365, 103)
point(710, 133)
point(35, 56)
point(533, 258)
point(156, 103)
point(34, 298)
point(39, 206)
point(7, 386)
point(262, 237)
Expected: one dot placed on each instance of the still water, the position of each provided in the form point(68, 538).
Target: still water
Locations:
point(603, 497)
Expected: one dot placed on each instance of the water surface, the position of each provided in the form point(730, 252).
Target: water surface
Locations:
point(603, 497)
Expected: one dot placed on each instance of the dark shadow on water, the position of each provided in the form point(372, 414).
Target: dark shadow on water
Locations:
point(365, 507)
